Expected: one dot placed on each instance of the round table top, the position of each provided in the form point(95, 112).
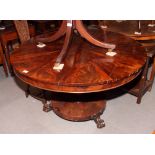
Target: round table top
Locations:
point(87, 68)
point(129, 27)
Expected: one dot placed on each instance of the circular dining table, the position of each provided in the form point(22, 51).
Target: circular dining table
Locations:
point(139, 30)
point(87, 71)
point(144, 32)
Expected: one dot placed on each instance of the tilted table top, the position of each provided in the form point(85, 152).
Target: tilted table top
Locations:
point(87, 68)
point(129, 27)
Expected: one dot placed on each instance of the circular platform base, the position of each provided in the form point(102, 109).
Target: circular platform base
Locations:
point(78, 111)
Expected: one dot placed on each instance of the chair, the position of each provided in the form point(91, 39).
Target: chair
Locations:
point(3, 61)
point(7, 36)
point(144, 82)
point(24, 35)
point(45, 26)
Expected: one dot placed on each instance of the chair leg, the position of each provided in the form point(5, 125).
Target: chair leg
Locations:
point(152, 74)
point(27, 91)
point(44, 101)
point(139, 98)
point(4, 66)
point(7, 55)
point(143, 81)
point(3, 61)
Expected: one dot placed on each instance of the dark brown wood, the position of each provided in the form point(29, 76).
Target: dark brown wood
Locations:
point(152, 74)
point(129, 27)
point(66, 43)
point(80, 111)
point(143, 85)
point(22, 29)
point(47, 107)
point(24, 35)
point(3, 61)
point(147, 40)
point(45, 26)
point(49, 38)
point(79, 26)
point(81, 29)
point(99, 122)
point(8, 35)
point(82, 61)
point(0, 54)
point(87, 69)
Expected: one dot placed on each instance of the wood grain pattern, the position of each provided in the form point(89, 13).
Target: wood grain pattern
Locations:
point(78, 111)
point(129, 27)
point(82, 30)
point(22, 29)
point(49, 38)
point(147, 40)
point(87, 68)
point(10, 34)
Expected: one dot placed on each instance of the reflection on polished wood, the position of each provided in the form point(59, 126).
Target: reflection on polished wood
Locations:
point(129, 27)
point(87, 69)
point(6, 37)
point(147, 39)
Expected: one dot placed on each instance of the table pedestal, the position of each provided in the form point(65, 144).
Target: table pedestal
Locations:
point(88, 71)
point(80, 111)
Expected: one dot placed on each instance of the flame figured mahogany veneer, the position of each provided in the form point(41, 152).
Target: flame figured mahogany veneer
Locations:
point(8, 35)
point(129, 27)
point(146, 37)
point(87, 69)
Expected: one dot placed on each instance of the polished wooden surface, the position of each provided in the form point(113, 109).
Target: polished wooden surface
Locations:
point(80, 112)
point(8, 35)
point(147, 40)
point(129, 27)
point(87, 68)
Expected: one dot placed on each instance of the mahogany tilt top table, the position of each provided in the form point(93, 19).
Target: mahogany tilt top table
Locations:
point(138, 30)
point(86, 69)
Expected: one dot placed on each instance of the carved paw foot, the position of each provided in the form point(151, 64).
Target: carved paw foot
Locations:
point(47, 107)
point(99, 122)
